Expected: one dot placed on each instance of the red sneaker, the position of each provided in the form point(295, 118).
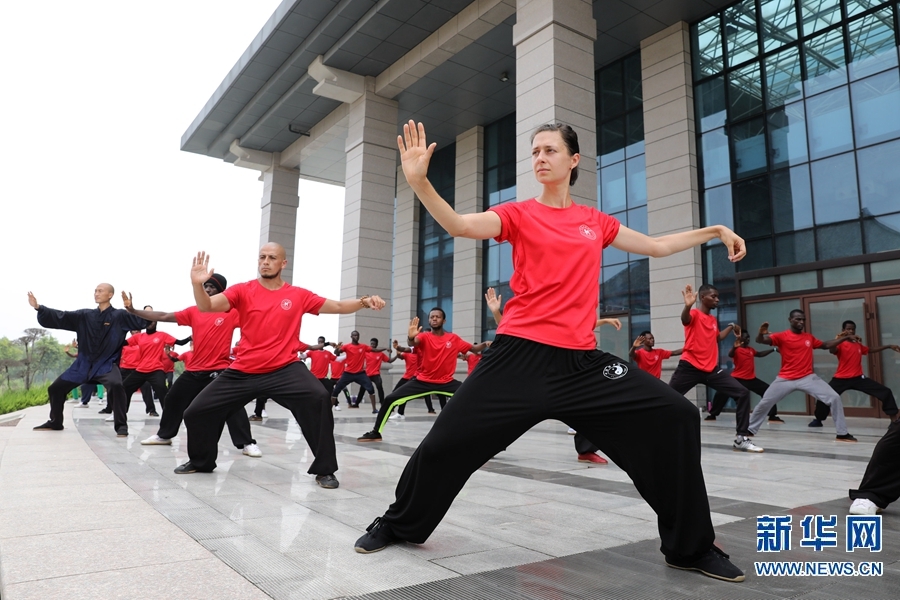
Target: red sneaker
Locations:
point(592, 458)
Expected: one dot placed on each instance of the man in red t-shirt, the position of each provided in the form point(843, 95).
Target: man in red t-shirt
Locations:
point(375, 357)
point(211, 335)
point(319, 362)
point(745, 373)
point(337, 369)
point(437, 350)
point(151, 350)
point(411, 360)
point(354, 370)
point(267, 364)
point(648, 358)
point(700, 360)
point(796, 349)
point(849, 376)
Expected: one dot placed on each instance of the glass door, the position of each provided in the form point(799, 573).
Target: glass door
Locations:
point(887, 331)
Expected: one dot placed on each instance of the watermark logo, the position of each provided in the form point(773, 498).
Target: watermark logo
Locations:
point(864, 532)
point(615, 371)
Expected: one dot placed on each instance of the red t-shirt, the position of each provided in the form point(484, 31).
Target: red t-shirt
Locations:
point(356, 357)
point(270, 324)
point(212, 333)
point(701, 341)
point(337, 368)
point(744, 367)
point(151, 350)
point(472, 360)
point(796, 353)
point(318, 362)
point(185, 357)
point(412, 364)
point(168, 365)
point(130, 356)
point(556, 263)
point(438, 356)
point(651, 360)
point(850, 359)
point(373, 362)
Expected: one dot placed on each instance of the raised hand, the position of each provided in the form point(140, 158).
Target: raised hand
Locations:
point(415, 154)
point(764, 328)
point(493, 299)
point(33, 301)
point(200, 271)
point(375, 302)
point(638, 342)
point(737, 330)
point(414, 328)
point(690, 296)
point(737, 248)
point(895, 348)
point(395, 345)
point(126, 300)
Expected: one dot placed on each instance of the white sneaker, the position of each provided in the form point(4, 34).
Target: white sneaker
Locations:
point(864, 506)
point(337, 407)
point(572, 431)
point(109, 419)
point(743, 444)
point(397, 417)
point(252, 450)
point(155, 440)
point(264, 415)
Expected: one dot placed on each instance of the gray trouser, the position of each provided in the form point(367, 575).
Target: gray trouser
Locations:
point(813, 385)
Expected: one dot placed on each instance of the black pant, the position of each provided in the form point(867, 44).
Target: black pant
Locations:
point(292, 386)
point(520, 383)
point(88, 390)
point(756, 385)
point(260, 406)
point(861, 384)
point(170, 377)
point(157, 381)
point(183, 392)
point(333, 395)
point(881, 483)
point(402, 408)
point(377, 384)
point(60, 388)
point(347, 378)
point(410, 391)
point(686, 376)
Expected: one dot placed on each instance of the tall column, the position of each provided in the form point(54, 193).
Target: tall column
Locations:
point(369, 210)
point(673, 195)
point(406, 265)
point(554, 42)
point(279, 212)
point(467, 264)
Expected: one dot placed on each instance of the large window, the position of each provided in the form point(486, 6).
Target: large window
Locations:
point(435, 244)
point(622, 190)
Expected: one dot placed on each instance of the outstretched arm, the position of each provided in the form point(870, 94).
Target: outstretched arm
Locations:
point(893, 347)
point(630, 240)
point(346, 307)
point(763, 336)
point(614, 322)
point(398, 348)
point(839, 340)
point(764, 353)
point(415, 155)
point(731, 327)
point(479, 348)
point(200, 274)
point(149, 315)
point(677, 352)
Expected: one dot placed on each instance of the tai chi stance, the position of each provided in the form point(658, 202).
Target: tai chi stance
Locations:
point(744, 372)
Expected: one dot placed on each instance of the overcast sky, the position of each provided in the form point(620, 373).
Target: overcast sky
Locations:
point(94, 187)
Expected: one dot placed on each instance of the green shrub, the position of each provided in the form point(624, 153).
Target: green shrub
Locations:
point(19, 399)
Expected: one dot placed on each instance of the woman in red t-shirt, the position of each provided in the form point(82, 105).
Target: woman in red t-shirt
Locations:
point(544, 363)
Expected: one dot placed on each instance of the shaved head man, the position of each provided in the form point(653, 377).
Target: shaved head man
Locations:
point(267, 365)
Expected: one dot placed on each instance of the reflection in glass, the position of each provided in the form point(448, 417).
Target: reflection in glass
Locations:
point(872, 44)
point(828, 120)
point(614, 288)
point(783, 77)
point(834, 189)
point(639, 278)
point(838, 241)
point(717, 208)
point(795, 248)
point(709, 99)
point(719, 270)
point(506, 264)
point(752, 209)
point(749, 147)
point(792, 199)
point(634, 133)
point(825, 62)
point(745, 92)
point(636, 176)
point(819, 14)
point(888, 308)
point(879, 179)
point(876, 108)
point(759, 256)
point(706, 51)
point(612, 101)
point(716, 161)
point(633, 90)
point(882, 233)
point(778, 23)
point(612, 141)
point(612, 188)
point(741, 39)
point(787, 136)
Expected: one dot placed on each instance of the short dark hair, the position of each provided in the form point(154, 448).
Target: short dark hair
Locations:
point(707, 287)
point(321, 338)
point(569, 138)
point(848, 322)
point(440, 310)
point(644, 333)
point(796, 310)
point(374, 340)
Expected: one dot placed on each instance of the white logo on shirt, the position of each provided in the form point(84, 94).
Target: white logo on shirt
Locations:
point(219, 321)
point(587, 232)
point(807, 343)
point(286, 304)
point(155, 340)
point(448, 344)
point(615, 371)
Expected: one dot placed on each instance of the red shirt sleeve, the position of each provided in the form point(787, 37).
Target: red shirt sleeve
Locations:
point(777, 339)
point(816, 342)
point(753, 351)
point(664, 354)
point(168, 339)
point(313, 304)
point(185, 317)
point(235, 295)
point(463, 346)
point(609, 227)
point(864, 349)
point(509, 221)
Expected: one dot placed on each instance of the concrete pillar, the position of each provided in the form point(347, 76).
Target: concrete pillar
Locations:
point(468, 289)
point(554, 42)
point(279, 212)
point(369, 211)
point(406, 265)
point(673, 194)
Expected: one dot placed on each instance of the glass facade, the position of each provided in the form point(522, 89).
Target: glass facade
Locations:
point(622, 189)
point(435, 283)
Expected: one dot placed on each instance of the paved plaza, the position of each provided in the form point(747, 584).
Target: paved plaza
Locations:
point(84, 514)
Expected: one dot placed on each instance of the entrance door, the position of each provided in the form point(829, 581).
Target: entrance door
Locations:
point(887, 319)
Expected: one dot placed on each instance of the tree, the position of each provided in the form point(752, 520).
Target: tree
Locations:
point(49, 358)
point(10, 360)
point(31, 361)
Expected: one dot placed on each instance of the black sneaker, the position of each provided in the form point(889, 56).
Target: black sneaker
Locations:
point(105, 411)
point(49, 426)
point(255, 418)
point(713, 564)
point(815, 423)
point(152, 413)
point(710, 418)
point(776, 420)
point(370, 436)
point(845, 438)
point(329, 482)
point(121, 432)
point(186, 469)
point(378, 536)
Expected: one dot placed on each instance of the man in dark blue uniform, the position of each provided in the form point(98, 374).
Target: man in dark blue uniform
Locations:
point(100, 333)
